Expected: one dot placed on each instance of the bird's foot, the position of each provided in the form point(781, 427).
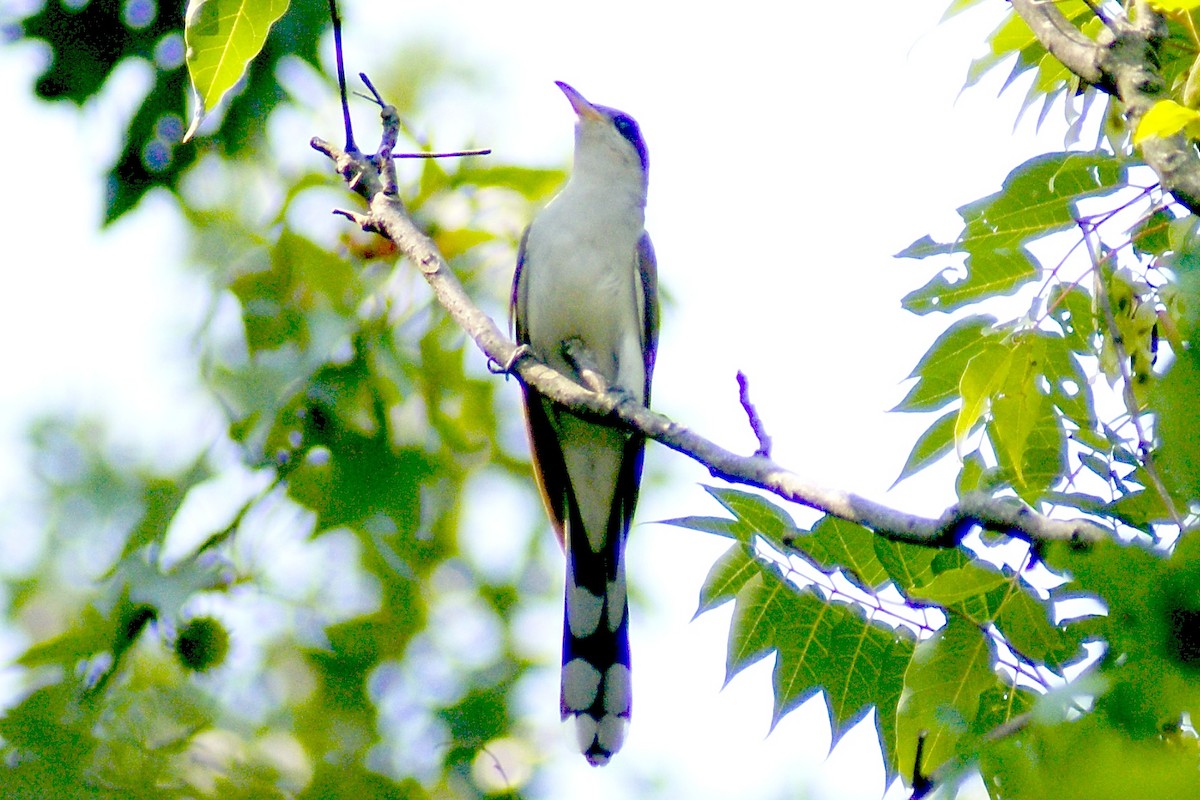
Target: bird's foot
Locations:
point(496, 368)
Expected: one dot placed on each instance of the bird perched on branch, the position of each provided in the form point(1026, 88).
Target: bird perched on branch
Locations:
point(586, 280)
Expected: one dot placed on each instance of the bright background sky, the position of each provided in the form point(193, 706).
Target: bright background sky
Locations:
point(792, 153)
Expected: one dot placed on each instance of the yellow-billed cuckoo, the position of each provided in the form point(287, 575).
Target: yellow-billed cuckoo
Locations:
point(586, 272)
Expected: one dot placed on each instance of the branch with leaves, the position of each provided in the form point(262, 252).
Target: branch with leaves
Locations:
point(373, 177)
point(1124, 61)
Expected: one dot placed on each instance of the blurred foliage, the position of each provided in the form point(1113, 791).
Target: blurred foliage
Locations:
point(299, 646)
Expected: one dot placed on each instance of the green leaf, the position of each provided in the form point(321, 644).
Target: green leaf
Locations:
point(940, 369)
point(1151, 236)
point(948, 676)
point(1038, 198)
point(985, 373)
point(934, 443)
point(989, 273)
point(955, 588)
point(223, 37)
point(1018, 406)
point(1070, 389)
point(1175, 398)
point(837, 544)
point(752, 628)
point(726, 578)
point(718, 526)
point(758, 516)
point(1101, 761)
point(908, 565)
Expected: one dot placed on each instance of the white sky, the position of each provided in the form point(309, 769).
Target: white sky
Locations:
point(792, 153)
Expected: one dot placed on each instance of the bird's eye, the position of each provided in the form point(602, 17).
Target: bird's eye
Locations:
point(626, 127)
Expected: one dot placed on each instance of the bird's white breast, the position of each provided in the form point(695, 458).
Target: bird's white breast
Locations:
point(583, 282)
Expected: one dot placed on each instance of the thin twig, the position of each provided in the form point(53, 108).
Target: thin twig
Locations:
point(756, 423)
point(1145, 447)
point(341, 72)
point(1102, 16)
point(452, 154)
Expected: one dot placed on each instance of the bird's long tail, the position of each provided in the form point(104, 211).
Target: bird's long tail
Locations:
point(596, 687)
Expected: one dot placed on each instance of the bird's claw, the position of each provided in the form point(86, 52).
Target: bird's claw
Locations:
point(496, 368)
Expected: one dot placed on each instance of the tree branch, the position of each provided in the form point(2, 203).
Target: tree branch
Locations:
point(1124, 64)
point(386, 215)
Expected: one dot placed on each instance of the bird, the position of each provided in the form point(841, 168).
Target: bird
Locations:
point(587, 276)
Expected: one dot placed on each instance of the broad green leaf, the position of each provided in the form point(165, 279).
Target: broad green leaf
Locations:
point(984, 595)
point(718, 526)
point(948, 676)
point(1151, 235)
point(985, 373)
point(1018, 405)
point(726, 578)
point(1038, 198)
point(907, 565)
point(989, 273)
point(971, 475)
point(953, 589)
point(1070, 389)
point(758, 515)
point(529, 182)
point(819, 646)
point(837, 544)
point(934, 443)
point(871, 662)
point(1025, 622)
point(804, 640)
point(223, 37)
point(939, 370)
point(752, 628)
point(1071, 308)
point(925, 247)
point(1042, 452)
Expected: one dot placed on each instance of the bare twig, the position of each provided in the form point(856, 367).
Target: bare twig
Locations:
point(452, 154)
point(756, 423)
point(386, 215)
point(341, 71)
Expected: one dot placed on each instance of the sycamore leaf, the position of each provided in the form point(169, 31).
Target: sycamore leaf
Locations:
point(1165, 118)
point(726, 578)
point(939, 370)
point(222, 38)
point(945, 682)
point(819, 646)
point(838, 544)
point(980, 382)
point(755, 515)
point(985, 595)
point(931, 445)
point(1038, 198)
point(752, 628)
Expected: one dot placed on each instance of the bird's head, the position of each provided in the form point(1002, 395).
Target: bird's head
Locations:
point(606, 139)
